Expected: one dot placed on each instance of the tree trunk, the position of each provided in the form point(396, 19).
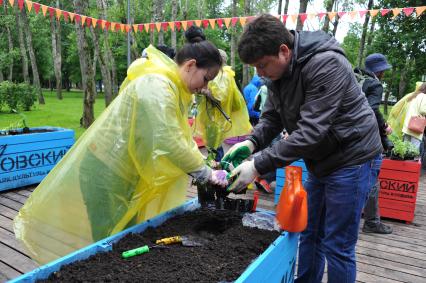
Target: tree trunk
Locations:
point(55, 27)
point(22, 48)
point(159, 17)
point(1, 76)
point(364, 34)
point(29, 37)
point(246, 70)
point(335, 24)
point(280, 4)
point(390, 84)
point(10, 43)
point(173, 19)
point(302, 9)
point(233, 35)
point(153, 17)
point(87, 75)
point(286, 9)
point(328, 7)
point(370, 36)
point(402, 79)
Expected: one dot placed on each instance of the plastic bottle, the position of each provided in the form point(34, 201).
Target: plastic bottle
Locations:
point(292, 208)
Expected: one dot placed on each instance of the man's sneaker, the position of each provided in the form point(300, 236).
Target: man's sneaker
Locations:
point(263, 185)
point(378, 229)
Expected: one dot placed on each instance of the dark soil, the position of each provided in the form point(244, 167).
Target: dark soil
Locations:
point(228, 249)
point(24, 131)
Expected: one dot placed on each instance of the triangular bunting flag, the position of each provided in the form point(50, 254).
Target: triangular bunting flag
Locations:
point(94, 22)
point(135, 28)
point(20, 4)
point(107, 24)
point(198, 23)
point(178, 25)
point(234, 21)
point(1, 2)
point(321, 15)
point(127, 27)
point(12, 2)
point(303, 17)
point(362, 13)
point(212, 23)
point(118, 27)
point(227, 22)
point(285, 18)
point(66, 15)
point(190, 23)
point(184, 25)
point(140, 27)
point(151, 27)
point(58, 14)
point(420, 10)
point(205, 23)
point(172, 25)
point(331, 15)
point(112, 26)
point(51, 12)
point(352, 15)
point(292, 18)
point(251, 18)
point(311, 16)
point(44, 9)
point(243, 21)
point(396, 12)
point(374, 13)
point(158, 25)
point(72, 15)
point(83, 19)
point(384, 11)
point(408, 11)
point(165, 26)
point(101, 24)
point(29, 5)
point(77, 18)
point(341, 14)
point(88, 22)
point(147, 28)
point(123, 27)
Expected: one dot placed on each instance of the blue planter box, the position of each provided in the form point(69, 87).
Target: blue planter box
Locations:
point(276, 264)
point(281, 178)
point(26, 159)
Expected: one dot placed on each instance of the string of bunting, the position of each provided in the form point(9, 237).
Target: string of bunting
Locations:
point(55, 13)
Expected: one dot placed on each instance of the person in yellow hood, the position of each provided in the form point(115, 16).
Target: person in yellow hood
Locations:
point(131, 164)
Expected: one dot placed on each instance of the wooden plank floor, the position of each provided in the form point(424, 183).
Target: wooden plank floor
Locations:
point(398, 257)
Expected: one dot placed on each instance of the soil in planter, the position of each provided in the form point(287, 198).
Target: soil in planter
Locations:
point(228, 249)
point(25, 131)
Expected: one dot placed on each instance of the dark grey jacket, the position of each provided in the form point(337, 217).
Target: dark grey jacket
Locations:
point(318, 101)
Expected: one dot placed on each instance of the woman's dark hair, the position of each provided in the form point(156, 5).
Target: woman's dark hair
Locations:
point(263, 37)
point(197, 47)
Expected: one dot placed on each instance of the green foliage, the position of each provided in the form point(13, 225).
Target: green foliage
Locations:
point(17, 96)
point(402, 149)
point(27, 95)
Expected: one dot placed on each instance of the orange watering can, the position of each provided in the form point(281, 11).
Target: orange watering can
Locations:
point(292, 208)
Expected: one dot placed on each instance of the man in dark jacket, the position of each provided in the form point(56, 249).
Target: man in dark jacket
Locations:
point(375, 67)
point(316, 98)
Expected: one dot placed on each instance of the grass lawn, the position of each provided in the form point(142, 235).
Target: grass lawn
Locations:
point(64, 113)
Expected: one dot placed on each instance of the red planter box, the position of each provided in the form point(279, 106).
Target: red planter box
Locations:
point(398, 181)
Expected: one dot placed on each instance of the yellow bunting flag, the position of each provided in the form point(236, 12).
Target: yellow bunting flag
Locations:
point(122, 27)
point(94, 22)
point(331, 15)
point(198, 23)
point(103, 24)
point(292, 18)
point(135, 28)
point(352, 15)
point(58, 14)
point(172, 26)
point(374, 13)
point(146, 26)
point(184, 24)
point(243, 21)
point(227, 22)
point(420, 10)
point(12, 2)
point(29, 5)
point(44, 9)
point(83, 20)
point(158, 26)
point(112, 26)
point(396, 12)
point(71, 16)
point(212, 23)
point(311, 16)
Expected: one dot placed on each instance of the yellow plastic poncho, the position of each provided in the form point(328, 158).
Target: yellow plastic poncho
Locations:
point(397, 115)
point(130, 165)
point(210, 125)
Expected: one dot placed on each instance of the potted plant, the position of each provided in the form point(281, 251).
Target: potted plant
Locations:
point(398, 179)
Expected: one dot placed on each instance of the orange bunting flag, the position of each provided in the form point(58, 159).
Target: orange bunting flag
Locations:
point(227, 22)
point(420, 10)
point(172, 25)
point(83, 19)
point(198, 23)
point(127, 28)
point(352, 15)
point(72, 15)
point(212, 23)
point(135, 28)
point(396, 12)
point(158, 26)
point(12, 2)
point(101, 23)
point(384, 11)
point(184, 25)
point(311, 16)
point(243, 21)
point(94, 22)
point(331, 15)
point(362, 13)
point(44, 9)
point(20, 4)
point(58, 14)
point(234, 21)
point(29, 5)
point(123, 27)
point(408, 11)
point(292, 18)
point(205, 23)
point(112, 26)
point(374, 13)
point(147, 28)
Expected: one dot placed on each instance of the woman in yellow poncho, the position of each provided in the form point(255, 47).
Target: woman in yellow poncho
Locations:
point(131, 164)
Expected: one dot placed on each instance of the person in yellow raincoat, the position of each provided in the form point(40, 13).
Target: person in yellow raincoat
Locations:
point(131, 164)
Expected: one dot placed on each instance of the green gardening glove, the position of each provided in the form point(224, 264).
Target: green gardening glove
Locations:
point(237, 154)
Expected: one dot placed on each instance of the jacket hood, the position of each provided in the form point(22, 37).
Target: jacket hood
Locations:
point(308, 43)
point(256, 81)
point(364, 72)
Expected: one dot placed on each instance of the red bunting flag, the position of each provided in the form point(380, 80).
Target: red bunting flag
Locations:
point(88, 22)
point(362, 13)
point(384, 11)
point(51, 12)
point(321, 15)
point(341, 14)
point(66, 15)
point(100, 24)
point(106, 24)
point(251, 18)
point(205, 23)
point(303, 17)
point(77, 18)
point(151, 26)
point(408, 11)
point(234, 20)
point(20, 4)
point(140, 27)
point(219, 22)
point(285, 18)
point(190, 23)
point(1, 2)
point(178, 25)
point(165, 26)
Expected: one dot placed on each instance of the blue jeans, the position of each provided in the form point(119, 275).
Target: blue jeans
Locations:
point(335, 203)
point(371, 209)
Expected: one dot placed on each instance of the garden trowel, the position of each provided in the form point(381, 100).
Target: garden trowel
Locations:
point(187, 241)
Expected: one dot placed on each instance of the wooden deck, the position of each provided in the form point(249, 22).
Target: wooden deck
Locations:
point(398, 257)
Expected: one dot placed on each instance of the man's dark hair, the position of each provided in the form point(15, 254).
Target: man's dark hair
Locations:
point(263, 37)
point(170, 52)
